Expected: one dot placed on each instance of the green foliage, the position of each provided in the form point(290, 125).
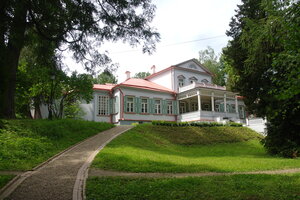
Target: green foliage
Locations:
point(149, 148)
point(198, 124)
point(105, 77)
point(235, 187)
point(26, 143)
point(142, 75)
point(264, 57)
point(81, 27)
point(215, 65)
point(4, 179)
point(74, 111)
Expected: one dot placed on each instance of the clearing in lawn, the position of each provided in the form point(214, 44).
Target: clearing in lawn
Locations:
point(150, 148)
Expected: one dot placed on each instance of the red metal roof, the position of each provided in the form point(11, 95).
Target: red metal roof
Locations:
point(107, 86)
point(135, 83)
point(144, 84)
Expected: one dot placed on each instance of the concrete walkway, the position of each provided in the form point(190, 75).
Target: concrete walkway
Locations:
point(56, 180)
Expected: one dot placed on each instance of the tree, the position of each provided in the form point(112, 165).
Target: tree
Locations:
point(264, 56)
point(80, 26)
point(209, 59)
point(141, 75)
point(105, 77)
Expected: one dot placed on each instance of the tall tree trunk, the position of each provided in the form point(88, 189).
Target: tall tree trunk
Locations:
point(9, 64)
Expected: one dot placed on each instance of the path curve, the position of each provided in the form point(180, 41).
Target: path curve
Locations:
point(56, 179)
point(109, 173)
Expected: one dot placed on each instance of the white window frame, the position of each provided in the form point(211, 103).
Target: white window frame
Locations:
point(169, 108)
point(144, 105)
point(130, 104)
point(157, 106)
point(103, 105)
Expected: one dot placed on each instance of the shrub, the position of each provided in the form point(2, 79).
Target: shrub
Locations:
point(197, 124)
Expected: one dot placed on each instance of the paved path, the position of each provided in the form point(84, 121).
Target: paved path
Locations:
point(56, 179)
point(104, 173)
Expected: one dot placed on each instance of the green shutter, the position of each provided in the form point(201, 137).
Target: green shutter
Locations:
point(117, 104)
point(125, 104)
point(151, 106)
point(174, 107)
point(110, 105)
point(137, 105)
point(164, 107)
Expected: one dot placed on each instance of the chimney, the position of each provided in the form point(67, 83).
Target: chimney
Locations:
point(127, 74)
point(153, 69)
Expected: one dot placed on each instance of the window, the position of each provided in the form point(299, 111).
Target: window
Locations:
point(182, 107)
point(157, 108)
point(103, 102)
point(129, 104)
point(169, 107)
point(217, 107)
point(194, 106)
point(180, 82)
point(144, 105)
point(192, 66)
point(193, 79)
point(205, 81)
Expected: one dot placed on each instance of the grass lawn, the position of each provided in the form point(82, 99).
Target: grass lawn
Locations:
point(5, 179)
point(27, 143)
point(251, 187)
point(149, 148)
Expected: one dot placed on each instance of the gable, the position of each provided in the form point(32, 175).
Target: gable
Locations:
point(193, 64)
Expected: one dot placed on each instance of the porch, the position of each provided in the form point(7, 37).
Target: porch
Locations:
point(212, 103)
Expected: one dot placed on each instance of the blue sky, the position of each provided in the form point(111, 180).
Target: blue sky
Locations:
point(179, 23)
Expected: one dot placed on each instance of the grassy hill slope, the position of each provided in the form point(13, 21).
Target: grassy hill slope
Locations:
point(27, 143)
point(150, 148)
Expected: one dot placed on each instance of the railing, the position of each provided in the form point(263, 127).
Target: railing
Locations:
point(203, 85)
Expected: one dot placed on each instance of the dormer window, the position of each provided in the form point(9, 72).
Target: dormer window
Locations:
point(193, 79)
point(180, 80)
point(204, 81)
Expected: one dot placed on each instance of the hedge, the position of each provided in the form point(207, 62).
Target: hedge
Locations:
point(197, 124)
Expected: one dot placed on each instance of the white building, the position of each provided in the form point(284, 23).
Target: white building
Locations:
point(182, 93)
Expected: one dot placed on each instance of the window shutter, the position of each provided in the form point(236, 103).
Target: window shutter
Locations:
point(117, 104)
point(110, 110)
point(136, 105)
point(151, 106)
point(125, 104)
point(164, 107)
point(174, 107)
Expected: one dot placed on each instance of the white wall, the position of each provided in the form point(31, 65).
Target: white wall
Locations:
point(149, 94)
point(187, 75)
point(163, 79)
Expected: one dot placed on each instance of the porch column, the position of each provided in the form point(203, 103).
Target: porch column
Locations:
point(212, 101)
point(236, 105)
point(225, 103)
point(190, 105)
point(199, 100)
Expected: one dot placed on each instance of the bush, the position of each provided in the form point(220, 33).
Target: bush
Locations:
point(197, 124)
